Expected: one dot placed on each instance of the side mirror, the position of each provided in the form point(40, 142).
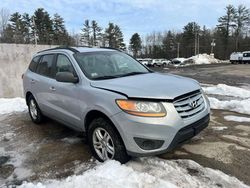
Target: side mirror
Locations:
point(66, 77)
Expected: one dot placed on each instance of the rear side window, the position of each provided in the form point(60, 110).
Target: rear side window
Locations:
point(45, 66)
point(34, 63)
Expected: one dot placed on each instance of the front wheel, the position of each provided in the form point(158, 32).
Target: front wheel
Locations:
point(34, 111)
point(105, 142)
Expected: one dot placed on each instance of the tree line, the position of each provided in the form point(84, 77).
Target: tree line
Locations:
point(230, 34)
point(39, 27)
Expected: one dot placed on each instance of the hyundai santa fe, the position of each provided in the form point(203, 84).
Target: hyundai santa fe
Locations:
point(124, 108)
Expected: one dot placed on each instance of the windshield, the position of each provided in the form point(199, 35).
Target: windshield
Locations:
point(108, 65)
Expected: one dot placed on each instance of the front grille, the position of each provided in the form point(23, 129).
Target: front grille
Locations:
point(184, 107)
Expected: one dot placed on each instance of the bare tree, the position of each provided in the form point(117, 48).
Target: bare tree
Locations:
point(4, 18)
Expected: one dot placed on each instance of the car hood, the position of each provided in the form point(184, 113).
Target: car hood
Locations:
point(151, 85)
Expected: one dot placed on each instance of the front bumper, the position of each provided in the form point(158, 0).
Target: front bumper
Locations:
point(181, 136)
point(172, 130)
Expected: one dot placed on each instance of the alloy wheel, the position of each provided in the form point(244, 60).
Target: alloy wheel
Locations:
point(103, 144)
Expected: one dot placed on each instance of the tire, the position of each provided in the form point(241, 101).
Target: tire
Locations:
point(34, 111)
point(164, 64)
point(154, 65)
point(99, 126)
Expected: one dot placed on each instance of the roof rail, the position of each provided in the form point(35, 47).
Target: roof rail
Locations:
point(61, 47)
point(84, 46)
point(111, 48)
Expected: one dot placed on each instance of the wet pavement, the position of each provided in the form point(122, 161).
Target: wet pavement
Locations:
point(51, 150)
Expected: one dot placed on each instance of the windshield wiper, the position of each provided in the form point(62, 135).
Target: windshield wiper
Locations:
point(132, 73)
point(118, 76)
point(105, 77)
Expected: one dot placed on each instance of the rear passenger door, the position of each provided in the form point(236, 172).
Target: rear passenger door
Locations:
point(65, 95)
point(40, 83)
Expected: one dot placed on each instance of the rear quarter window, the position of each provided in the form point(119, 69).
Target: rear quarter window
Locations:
point(33, 64)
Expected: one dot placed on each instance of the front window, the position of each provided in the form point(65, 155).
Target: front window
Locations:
point(45, 65)
point(108, 65)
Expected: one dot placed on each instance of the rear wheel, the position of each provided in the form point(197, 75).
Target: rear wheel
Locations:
point(34, 110)
point(105, 142)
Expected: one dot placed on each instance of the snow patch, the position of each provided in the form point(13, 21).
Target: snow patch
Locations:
point(12, 105)
point(145, 172)
point(240, 106)
point(72, 140)
point(219, 128)
point(223, 89)
point(237, 118)
point(7, 136)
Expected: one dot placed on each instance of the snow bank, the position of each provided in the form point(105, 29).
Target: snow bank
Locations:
point(201, 59)
point(12, 105)
point(237, 118)
point(145, 172)
point(240, 106)
point(223, 89)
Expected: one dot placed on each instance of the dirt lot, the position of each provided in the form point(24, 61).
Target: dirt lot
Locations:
point(51, 150)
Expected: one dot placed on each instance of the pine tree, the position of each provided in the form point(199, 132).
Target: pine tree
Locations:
point(96, 30)
point(17, 27)
point(60, 35)
point(26, 23)
point(135, 44)
point(86, 33)
point(190, 32)
point(169, 45)
point(227, 21)
point(8, 35)
point(114, 37)
point(242, 20)
point(43, 26)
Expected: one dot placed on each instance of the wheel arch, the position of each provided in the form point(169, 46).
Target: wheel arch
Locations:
point(28, 94)
point(93, 114)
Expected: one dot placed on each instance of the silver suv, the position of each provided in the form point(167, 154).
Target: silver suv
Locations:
point(124, 108)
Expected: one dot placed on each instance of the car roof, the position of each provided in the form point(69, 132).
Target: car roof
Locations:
point(76, 49)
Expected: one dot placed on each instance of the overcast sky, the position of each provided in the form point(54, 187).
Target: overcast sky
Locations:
point(142, 16)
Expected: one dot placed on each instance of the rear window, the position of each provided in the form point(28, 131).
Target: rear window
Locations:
point(45, 66)
point(34, 63)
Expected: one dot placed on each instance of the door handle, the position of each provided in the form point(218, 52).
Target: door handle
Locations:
point(52, 88)
point(32, 81)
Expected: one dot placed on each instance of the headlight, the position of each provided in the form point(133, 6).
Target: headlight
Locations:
point(142, 108)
